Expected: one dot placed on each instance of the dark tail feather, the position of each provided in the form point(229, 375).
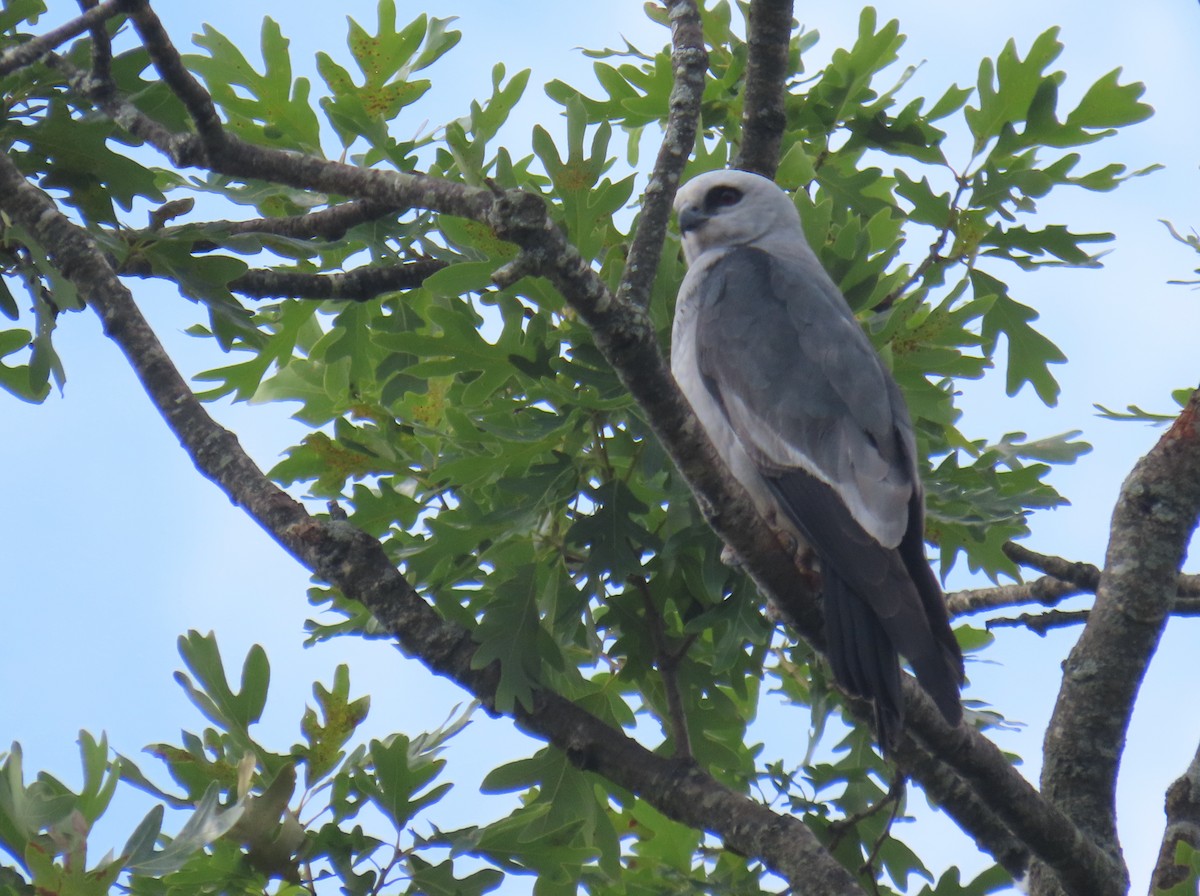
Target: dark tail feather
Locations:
point(939, 668)
point(863, 658)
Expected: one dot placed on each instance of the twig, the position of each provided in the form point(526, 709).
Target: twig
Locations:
point(1046, 590)
point(689, 62)
point(841, 826)
point(1041, 622)
point(895, 794)
point(357, 285)
point(33, 50)
point(170, 67)
point(1085, 575)
point(764, 112)
point(668, 666)
point(932, 256)
point(101, 47)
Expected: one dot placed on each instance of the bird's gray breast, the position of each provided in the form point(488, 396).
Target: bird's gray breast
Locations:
point(685, 366)
point(783, 378)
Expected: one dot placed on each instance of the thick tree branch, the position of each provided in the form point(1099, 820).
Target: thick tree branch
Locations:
point(357, 564)
point(33, 50)
point(960, 801)
point(689, 62)
point(1183, 826)
point(764, 109)
point(1152, 523)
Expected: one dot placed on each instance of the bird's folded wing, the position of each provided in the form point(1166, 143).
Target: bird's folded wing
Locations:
point(803, 388)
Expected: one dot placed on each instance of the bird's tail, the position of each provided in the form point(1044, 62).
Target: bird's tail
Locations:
point(863, 651)
point(862, 655)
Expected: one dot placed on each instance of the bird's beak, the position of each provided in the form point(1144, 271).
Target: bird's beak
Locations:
point(691, 218)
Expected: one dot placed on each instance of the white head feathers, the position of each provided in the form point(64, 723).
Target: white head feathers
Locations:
point(722, 209)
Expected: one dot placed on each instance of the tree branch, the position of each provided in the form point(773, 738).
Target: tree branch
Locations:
point(328, 224)
point(764, 110)
point(33, 50)
point(358, 285)
point(961, 802)
point(1047, 591)
point(1152, 523)
point(169, 65)
point(689, 62)
point(1041, 623)
point(667, 660)
point(358, 565)
point(1084, 575)
point(1183, 826)
point(101, 46)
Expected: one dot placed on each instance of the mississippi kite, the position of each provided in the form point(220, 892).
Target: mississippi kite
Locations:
point(811, 423)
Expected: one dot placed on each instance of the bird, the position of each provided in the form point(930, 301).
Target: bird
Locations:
point(809, 420)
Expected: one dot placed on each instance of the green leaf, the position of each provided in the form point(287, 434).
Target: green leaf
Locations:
point(1109, 104)
point(1007, 86)
point(235, 712)
point(16, 12)
point(268, 108)
point(398, 778)
point(341, 717)
point(1029, 352)
point(439, 880)
point(207, 823)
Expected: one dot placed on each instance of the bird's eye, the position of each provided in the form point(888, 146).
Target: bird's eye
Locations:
point(721, 197)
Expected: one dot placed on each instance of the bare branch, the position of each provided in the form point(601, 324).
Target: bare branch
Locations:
point(101, 47)
point(668, 667)
point(328, 224)
point(689, 62)
point(358, 565)
point(358, 285)
point(764, 111)
point(1183, 826)
point(1152, 523)
point(33, 50)
point(1041, 622)
point(1047, 591)
point(170, 67)
point(1085, 575)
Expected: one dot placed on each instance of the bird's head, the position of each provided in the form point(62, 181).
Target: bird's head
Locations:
point(720, 209)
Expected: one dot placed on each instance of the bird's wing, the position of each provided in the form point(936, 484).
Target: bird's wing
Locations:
point(811, 404)
point(803, 388)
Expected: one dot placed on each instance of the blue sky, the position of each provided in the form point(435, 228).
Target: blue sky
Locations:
point(114, 545)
